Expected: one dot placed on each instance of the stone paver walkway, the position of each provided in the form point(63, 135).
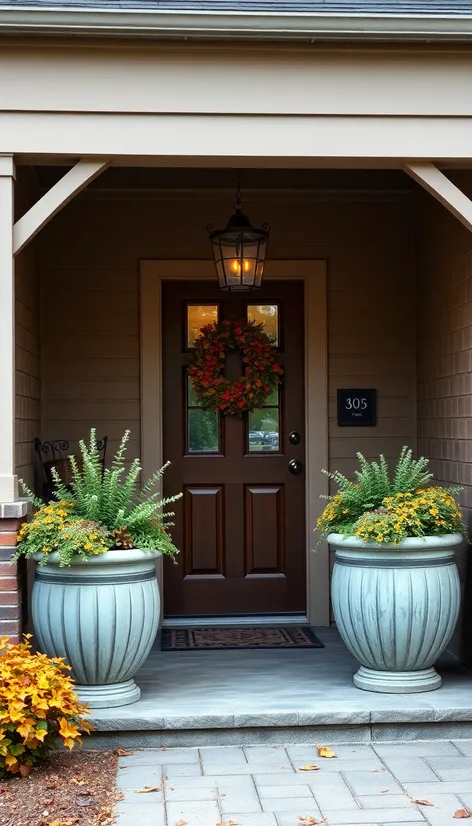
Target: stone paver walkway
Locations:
point(266, 785)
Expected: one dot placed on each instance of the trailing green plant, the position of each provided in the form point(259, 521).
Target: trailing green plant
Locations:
point(106, 502)
point(377, 508)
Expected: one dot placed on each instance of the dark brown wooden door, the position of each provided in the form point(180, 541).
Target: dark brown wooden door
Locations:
point(240, 526)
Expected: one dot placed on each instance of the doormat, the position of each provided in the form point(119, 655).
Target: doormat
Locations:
point(218, 639)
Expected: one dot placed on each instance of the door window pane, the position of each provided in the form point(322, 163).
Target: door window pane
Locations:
point(202, 430)
point(268, 316)
point(198, 315)
point(264, 430)
point(203, 433)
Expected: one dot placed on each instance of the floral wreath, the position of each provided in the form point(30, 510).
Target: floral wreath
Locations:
point(262, 373)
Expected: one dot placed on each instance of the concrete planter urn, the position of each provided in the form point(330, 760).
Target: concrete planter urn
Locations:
point(396, 608)
point(102, 616)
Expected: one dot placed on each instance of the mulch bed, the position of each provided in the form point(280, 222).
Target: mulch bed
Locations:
point(77, 789)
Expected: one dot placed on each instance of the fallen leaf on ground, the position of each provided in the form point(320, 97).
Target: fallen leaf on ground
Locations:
point(106, 817)
point(120, 796)
point(373, 770)
point(85, 801)
point(147, 789)
point(181, 823)
point(309, 821)
point(69, 821)
point(420, 802)
point(78, 782)
point(308, 768)
point(164, 777)
point(227, 823)
point(382, 791)
point(461, 813)
point(123, 752)
point(325, 751)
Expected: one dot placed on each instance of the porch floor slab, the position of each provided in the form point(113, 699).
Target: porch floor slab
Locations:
point(250, 695)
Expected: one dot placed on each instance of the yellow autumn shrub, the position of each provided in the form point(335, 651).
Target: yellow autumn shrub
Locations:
point(38, 707)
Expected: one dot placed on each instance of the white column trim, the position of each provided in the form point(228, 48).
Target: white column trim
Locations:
point(314, 275)
point(440, 187)
point(55, 199)
point(8, 478)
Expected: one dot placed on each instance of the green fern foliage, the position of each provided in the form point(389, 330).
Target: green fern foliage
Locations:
point(410, 474)
point(112, 498)
point(371, 489)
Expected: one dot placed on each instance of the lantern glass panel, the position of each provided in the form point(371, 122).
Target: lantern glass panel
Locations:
point(239, 252)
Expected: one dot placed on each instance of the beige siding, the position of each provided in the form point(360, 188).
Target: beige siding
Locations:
point(28, 340)
point(444, 369)
point(91, 254)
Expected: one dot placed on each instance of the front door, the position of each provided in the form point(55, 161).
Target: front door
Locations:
point(240, 526)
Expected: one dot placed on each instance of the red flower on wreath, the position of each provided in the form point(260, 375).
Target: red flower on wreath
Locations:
point(206, 370)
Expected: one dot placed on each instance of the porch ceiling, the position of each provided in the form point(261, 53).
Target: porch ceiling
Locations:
point(176, 178)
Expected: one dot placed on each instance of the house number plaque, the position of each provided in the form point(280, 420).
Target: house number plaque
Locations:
point(356, 408)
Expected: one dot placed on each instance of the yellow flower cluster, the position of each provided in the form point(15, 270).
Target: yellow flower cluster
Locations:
point(55, 514)
point(37, 705)
point(426, 512)
point(54, 527)
point(331, 512)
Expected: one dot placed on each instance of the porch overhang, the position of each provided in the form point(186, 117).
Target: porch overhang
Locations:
point(222, 24)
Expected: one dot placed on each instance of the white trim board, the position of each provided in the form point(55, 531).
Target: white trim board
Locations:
point(314, 276)
point(249, 621)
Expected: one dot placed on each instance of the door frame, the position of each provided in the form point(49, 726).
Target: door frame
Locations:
point(313, 273)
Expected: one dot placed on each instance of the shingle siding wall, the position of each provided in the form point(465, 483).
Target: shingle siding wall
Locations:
point(444, 371)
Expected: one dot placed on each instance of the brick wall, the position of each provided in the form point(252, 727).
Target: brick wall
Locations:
point(444, 370)
point(12, 575)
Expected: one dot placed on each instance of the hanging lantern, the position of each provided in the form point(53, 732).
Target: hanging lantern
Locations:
point(239, 251)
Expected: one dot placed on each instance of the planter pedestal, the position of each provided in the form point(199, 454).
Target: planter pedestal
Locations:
point(397, 682)
point(102, 616)
point(108, 696)
point(396, 608)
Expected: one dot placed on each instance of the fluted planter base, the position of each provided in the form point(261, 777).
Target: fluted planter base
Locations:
point(109, 696)
point(397, 682)
point(102, 615)
point(396, 608)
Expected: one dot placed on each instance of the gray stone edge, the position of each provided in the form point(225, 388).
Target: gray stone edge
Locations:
point(15, 510)
point(394, 714)
point(290, 735)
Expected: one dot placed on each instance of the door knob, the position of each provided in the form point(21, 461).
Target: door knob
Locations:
point(295, 466)
point(294, 438)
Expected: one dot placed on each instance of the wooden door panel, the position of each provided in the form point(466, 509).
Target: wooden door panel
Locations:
point(241, 523)
point(204, 531)
point(264, 519)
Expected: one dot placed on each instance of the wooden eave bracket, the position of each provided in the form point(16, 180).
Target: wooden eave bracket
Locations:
point(440, 187)
point(73, 182)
